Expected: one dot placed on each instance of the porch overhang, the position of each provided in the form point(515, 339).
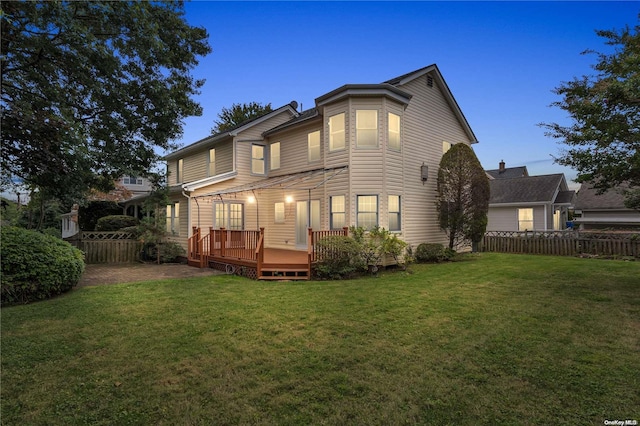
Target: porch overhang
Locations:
point(307, 180)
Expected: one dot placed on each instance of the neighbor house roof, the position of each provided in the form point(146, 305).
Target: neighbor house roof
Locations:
point(528, 189)
point(588, 198)
point(508, 172)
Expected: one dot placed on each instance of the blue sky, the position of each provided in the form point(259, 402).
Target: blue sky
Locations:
point(501, 60)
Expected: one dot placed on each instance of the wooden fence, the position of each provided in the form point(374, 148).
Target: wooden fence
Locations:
point(563, 243)
point(108, 247)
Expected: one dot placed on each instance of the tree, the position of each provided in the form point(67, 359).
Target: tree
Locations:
point(463, 196)
point(91, 90)
point(604, 138)
point(237, 114)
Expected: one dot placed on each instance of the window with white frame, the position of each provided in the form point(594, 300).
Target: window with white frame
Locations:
point(313, 140)
point(212, 162)
point(395, 219)
point(131, 180)
point(274, 156)
point(367, 214)
point(229, 215)
point(337, 132)
point(173, 218)
point(179, 165)
point(278, 212)
point(367, 128)
point(394, 132)
point(338, 212)
point(257, 159)
point(525, 219)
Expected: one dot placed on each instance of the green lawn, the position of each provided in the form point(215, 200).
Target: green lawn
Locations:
point(497, 339)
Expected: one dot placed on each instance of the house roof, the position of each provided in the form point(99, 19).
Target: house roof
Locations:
point(528, 189)
point(588, 198)
point(233, 131)
point(508, 172)
point(306, 115)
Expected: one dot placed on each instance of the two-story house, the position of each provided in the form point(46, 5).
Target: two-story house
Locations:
point(365, 155)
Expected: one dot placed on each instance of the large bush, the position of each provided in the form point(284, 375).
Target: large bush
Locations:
point(338, 257)
point(116, 222)
point(433, 252)
point(36, 266)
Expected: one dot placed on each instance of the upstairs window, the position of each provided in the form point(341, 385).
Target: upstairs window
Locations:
point(257, 159)
point(131, 180)
point(212, 162)
point(336, 132)
point(366, 128)
point(179, 171)
point(274, 156)
point(313, 140)
point(394, 132)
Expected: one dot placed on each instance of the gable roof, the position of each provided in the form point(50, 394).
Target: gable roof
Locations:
point(528, 189)
point(233, 131)
point(588, 198)
point(434, 71)
point(306, 115)
point(508, 172)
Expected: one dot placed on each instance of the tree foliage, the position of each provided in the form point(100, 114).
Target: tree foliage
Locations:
point(92, 89)
point(463, 196)
point(237, 114)
point(603, 140)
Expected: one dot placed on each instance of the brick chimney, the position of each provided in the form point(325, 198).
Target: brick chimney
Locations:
point(501, 165)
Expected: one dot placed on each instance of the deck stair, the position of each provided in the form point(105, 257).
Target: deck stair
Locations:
point(284, 272)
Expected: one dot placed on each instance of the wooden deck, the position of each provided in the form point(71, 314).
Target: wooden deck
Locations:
point(243, 253)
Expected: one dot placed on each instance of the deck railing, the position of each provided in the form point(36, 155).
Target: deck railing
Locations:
point(315, 236)
point(244, 245)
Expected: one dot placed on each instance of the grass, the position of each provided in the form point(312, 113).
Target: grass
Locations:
point(499, 339)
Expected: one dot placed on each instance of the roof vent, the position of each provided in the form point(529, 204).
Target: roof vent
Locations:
point(429, 81)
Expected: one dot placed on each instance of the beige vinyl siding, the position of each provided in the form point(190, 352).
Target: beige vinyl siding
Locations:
point(427, 121)
point(294, 150)
point(502, 219)
point(224, 157)
point(183, 215)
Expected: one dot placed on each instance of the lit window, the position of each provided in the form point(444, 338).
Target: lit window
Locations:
point(394, 213)
point(229, 215)
point(314, 146)
point(366, 128)
point(367, 211)
point(274, 153)
point(257, 159)
point(212, 162)
point(338, 215)
point(446, 146)
point(173, 218)
point(525, 219)
point(279, 212)
point(394, 131)
point(336, 132)
point(179, 171)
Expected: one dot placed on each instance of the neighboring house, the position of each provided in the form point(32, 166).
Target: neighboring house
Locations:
point(604, 211)
point(365, 155)
point(138, 189)
point(528, 203)
point(503, 172)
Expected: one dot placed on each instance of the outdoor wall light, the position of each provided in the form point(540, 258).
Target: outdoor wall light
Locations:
point(288, 199)
point(251, 199)
point(424, 172)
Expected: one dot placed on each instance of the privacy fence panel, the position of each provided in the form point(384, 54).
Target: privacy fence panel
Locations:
point(564, 243)
point(108, 247)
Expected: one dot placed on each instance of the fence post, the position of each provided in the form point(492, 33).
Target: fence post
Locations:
point(223, 241)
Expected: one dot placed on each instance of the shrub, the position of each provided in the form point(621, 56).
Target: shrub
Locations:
point(36, 266)
point(338, 257)
point(433, 252)
point(170, 252)
point(115, 222)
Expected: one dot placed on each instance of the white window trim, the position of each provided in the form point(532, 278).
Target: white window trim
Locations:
point(343, 212)
point(263, 159)
point(319, 147)
point(377, 212)
point(344, 133)
point(399, 213)
point(377, 129)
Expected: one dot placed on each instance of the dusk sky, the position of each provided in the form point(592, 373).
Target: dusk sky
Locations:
point(501, 60)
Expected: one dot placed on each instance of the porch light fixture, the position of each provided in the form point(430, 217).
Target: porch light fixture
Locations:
point(288, 199)
point(251, 199)
point(424, 172)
